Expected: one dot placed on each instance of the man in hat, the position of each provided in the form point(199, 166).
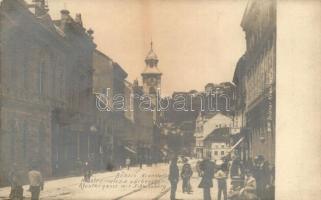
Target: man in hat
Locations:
point(36, 183)
point(260, 175)
point(186, 175)
point(207, 173)
point(221, 176)
point(173, 177)
point(15, 179)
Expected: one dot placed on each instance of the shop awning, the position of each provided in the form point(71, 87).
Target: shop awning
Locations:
point(129, 149)
point(236, 144)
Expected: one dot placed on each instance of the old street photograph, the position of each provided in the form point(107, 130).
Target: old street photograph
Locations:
point(137, 99)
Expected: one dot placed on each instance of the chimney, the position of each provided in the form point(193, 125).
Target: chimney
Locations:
point(64, 18)
point(90, 33)
point(78, 19)
point(41, 7)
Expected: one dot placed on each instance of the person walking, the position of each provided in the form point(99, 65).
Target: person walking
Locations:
point(186, 175)
point(127, 163)
point(173, 177)
point(221, 176)
point(207, 173)
point(36, 183)
point(15, 179)
point(87, 172)
point(198, 163)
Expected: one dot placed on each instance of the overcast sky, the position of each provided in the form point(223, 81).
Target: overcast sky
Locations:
point(197, 41)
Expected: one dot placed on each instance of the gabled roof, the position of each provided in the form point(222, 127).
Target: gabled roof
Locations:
point(151, 55)
point(218, 135)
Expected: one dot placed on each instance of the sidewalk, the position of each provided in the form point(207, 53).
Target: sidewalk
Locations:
point(70, 188)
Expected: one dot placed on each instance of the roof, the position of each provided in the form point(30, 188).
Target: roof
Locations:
point(151, 70)
point(151, 61)
point(151, 55)
point(240, 69)
point(218, 135)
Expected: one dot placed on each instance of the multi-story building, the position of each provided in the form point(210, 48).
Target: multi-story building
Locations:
point(185, 107)
point(46, 81)
point(255, 79)
point(205, 126)
point(217, 144)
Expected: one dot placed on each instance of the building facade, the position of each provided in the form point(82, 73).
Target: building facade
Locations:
point(46, 81)
point(255, 79)
point(217, 144)
point(205, 126)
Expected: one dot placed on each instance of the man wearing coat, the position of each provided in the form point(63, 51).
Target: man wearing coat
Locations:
point(36, 183)
point(15, 178)
point(207, 173)
point(173, 177)
point(186, 175)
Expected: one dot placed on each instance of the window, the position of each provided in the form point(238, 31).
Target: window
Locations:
point(25, 72)
point(25, 139)
point(222, 146)
point(222, 153)
point(12, 139)
point(41, 78)
point(215, 153)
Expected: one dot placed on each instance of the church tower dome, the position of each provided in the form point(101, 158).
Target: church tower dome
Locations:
point(151, 58)
point(151, 75)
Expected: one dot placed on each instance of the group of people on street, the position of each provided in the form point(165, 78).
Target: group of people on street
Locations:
point(16, 177)
point(249, 181)
point(186, 174)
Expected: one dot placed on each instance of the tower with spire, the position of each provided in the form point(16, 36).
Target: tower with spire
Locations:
point(151, 75)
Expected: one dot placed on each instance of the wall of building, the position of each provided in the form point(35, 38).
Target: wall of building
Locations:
point(255, 79)
point(45, 80)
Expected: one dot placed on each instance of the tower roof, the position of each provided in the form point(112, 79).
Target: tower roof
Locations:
point(151, 61)
point(151, 54)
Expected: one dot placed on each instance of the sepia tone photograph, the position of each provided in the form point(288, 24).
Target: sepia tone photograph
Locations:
point(138, 99)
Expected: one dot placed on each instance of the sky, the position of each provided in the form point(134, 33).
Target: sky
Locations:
point(197, 41)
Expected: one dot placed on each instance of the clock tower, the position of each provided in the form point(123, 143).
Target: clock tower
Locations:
point(151, 75)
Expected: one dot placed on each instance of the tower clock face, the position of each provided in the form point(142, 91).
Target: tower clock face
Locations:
point(152, 81)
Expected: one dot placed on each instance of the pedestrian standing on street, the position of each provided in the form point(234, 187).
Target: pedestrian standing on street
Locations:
point(87, 172)
point(237, 171)
point(221, 176)
point(15, 179)
point(186, 175)
point(268, 190)
point(207, 173)
point(173, 177)
point(260, 176)
point(198, 163)
point(127, 163)
point(36, 183)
